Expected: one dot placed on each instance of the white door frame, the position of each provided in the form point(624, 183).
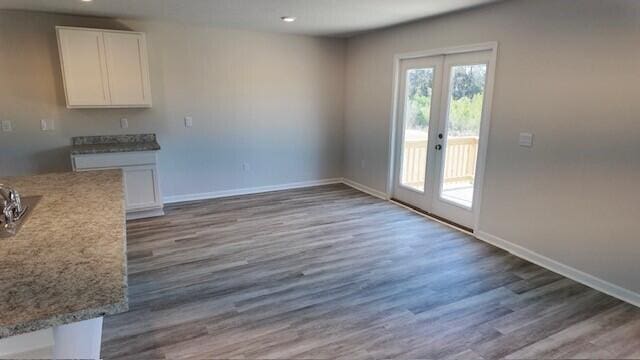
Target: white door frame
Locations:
point(401, 192)
point(484, 127)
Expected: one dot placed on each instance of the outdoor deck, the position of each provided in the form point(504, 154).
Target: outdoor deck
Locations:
point(459, 168)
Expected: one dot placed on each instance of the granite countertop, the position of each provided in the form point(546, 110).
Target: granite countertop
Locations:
point(83, 145)
point(68, 261)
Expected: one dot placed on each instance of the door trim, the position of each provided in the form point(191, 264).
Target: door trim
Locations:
point(486, 122)
point(402, 191)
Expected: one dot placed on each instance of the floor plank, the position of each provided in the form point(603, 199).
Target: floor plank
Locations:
point(330, 272)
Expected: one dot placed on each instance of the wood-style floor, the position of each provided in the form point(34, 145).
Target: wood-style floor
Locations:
point(330, 272)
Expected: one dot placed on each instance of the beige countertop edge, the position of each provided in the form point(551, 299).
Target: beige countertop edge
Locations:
point(87, 314)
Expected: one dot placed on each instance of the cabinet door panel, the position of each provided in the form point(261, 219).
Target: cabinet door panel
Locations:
point(126, 60)
point(83, 66)
point(141, 191)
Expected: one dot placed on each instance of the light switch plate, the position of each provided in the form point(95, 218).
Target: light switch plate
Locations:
point(188, 122)
point(47, 125)
point(7, 126)
point(124, 123)
point(526, 140)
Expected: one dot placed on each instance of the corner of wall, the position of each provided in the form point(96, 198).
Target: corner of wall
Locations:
point(345, 88)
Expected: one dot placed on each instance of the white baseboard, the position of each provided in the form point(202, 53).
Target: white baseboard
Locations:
point(567, 271)
point(262, 189)
point(247, 191)
point(142, 214)
point(366, 189)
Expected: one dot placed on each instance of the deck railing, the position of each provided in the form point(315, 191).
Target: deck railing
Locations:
point(460, 161)
point(414, 161)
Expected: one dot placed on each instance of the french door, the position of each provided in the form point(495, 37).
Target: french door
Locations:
point(441, 111)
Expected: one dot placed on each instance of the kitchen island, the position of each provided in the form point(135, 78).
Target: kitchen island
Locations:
point(67, 264)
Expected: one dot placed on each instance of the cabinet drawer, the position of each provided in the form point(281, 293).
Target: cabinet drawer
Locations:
point(101, 161)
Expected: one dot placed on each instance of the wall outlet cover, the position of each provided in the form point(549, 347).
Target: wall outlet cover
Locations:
point(525, 140)
point(7, 126)
point(124, 123)
point(47, 125)
point(188, 122)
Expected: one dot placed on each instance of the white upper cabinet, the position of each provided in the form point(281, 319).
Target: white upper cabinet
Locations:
point(126, 55)
point(104, 68)
point(83, 67)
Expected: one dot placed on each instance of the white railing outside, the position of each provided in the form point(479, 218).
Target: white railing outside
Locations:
point(459, 167)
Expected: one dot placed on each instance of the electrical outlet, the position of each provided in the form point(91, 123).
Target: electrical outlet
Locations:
point(7, 126)
point(363, 164)
point(47, 125)
point(246, 167)
point(188, 122)
point(124, 123)
point(525, 140)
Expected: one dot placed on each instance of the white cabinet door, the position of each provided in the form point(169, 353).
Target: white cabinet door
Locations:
point(126, 58)
point(143, 197)
point(83, 66)
point(104, 68)
point(141, 185)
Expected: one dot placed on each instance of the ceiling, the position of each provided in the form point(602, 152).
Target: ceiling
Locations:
point(314, 17)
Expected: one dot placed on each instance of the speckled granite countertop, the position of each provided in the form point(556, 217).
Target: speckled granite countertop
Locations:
point(68, 261)
point(82, 145)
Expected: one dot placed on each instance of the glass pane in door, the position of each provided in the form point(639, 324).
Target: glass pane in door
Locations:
point(466, 100)
point(417, 112)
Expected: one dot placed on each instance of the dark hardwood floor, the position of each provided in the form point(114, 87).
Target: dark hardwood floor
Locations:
point(330, 272)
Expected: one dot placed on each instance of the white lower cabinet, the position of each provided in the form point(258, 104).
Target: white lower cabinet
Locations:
point(79, 340)
point(142, 192)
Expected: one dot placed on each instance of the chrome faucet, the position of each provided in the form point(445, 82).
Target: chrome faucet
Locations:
point(11, 209)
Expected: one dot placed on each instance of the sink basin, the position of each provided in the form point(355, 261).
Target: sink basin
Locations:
point(29, 203)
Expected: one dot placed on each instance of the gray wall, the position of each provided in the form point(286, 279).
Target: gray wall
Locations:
point(568, 71)
point(270, 100)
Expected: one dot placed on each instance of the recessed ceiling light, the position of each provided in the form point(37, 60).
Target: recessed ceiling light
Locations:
point(288, 19)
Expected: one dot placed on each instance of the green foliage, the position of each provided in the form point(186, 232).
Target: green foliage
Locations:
point(465, 109)
point(465, 114)
point(467, 92)
point(419, 111)
point(420, 82)
point(420, 85)
point(468, 81)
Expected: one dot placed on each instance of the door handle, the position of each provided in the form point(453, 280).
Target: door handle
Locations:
point(438, 147)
